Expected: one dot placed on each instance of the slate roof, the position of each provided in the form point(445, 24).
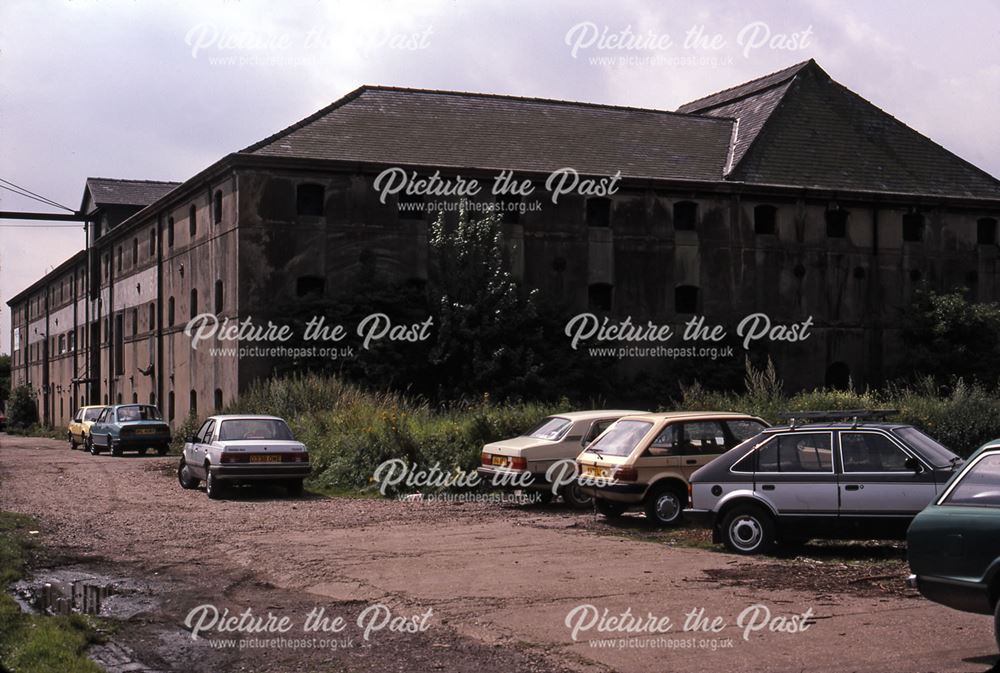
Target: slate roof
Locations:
point(463, 130)
point(110, 191)
point(798, 127)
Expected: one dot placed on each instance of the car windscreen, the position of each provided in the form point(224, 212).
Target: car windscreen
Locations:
point(138, 413)
point(254, 428)
point(552, 428)
point(621, 438)
point(92, 414)
point(932, 451)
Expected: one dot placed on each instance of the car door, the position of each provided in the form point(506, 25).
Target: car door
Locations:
point(880, 477)
point(968, 519)
point(701, 442)
point(795, 474)
point(199, 449)
point(76, 426)
point(661, 455)
point(98, 431)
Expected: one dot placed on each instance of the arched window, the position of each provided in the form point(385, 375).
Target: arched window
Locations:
point(599, 297)
point(598, 212)
point(913, 227)
point(194, 303)
point(685, 216)
point(217, 207)
point(838, 376)
point(309, 199)
point(219, 298)
point(765, 220)
point(836, 223)
point(686, 299)
point(218, 399)
point(170, 312)
point(193, 403)
point(170, 232)
point(192, 221)
point(170, 405)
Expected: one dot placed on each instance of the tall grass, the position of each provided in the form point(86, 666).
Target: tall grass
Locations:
point(350, 431)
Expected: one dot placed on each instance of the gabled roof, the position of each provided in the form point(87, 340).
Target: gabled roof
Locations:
point(110, 191)
point(798, 127)
point(461, 130)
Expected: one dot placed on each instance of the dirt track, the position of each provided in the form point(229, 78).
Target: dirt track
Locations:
point(499, 579)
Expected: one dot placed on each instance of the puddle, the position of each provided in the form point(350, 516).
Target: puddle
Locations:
point(67, 590)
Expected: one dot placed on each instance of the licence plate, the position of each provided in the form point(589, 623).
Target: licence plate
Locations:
point(593, 471)
point(498, 460)
point(265, 458)
point(146, 431)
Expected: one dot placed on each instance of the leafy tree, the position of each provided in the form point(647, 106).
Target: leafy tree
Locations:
point(947, 337)
point(4, 379)
point(22, 408)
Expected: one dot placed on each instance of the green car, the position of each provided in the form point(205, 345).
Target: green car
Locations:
point(954, 544)
point(129, 427)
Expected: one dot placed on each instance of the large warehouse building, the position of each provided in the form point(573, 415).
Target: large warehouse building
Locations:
point(789, 195)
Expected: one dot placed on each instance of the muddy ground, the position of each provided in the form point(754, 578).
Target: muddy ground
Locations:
point(498, 579)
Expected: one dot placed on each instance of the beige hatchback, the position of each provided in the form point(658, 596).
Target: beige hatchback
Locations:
point(646, 460)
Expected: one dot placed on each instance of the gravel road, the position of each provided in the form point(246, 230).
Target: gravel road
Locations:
point(493, 584)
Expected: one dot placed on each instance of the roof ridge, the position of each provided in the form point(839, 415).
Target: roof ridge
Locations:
point(747, 88)
point(155, 182)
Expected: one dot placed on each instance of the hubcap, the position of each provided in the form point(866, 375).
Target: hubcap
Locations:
point(578, 496)
point(667, 507)
point(746, 532)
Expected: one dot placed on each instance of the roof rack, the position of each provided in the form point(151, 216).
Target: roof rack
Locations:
point(855, 416)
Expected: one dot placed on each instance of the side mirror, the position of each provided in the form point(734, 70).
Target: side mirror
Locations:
point(914, 464)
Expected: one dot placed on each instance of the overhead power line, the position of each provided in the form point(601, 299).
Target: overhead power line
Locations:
point(23, 191)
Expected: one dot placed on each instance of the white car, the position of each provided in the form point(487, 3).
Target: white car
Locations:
point(232, 449)
point(557, 438)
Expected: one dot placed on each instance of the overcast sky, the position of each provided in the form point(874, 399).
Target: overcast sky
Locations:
point(160, 90)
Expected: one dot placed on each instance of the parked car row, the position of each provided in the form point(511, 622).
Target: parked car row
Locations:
point(119, 428)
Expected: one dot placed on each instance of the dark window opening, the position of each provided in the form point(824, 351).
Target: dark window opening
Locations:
point(194, 303)
point(152, 242)
point(559, 264)
point(799, 271)
point(915, 275)
point(599, 297)
point(765, 220)
point(135, 398)
point(135, 321)
point(217, 207)
point(686, 299)
point(170, 405)
point(838, 376)
point(192, 221)
point(218, 399)
point(598, 212)
point(986, 231)
point(219, 298)
point(913, 227)
point(685, 216)
point(193, 403)
point(859, 273)
point(410, 207)
point(509, 206)
point(836, 223)
point(118, 266)
point(119, 345)
point(170, 232)
point(170, 312)
point(152, 316)
point(310, 286)
point(135, 251)
point(310, 199)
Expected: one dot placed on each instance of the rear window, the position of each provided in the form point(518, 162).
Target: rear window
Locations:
point(621, 438)
point(552, 428)
point(980, 486)
point(254, 428)
point(138, 413)
point(744, 429)
point(92, 414)
point(796, 452)
point(932, 451)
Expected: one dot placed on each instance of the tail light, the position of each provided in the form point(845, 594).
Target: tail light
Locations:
point(518, 463)
point(485, 458)
point(295, 458)
point(625, 474)
point(234, 458)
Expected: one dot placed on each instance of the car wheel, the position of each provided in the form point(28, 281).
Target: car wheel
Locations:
point(187, 480)
point(664, 505)
point(116, 448)
point(72, 442)
point(91, 446)
point(142, 451)
point(294, 488)
point(162, 450)
point(609, 509)
point(748, 530)
point(575, 497)
point(213, 489)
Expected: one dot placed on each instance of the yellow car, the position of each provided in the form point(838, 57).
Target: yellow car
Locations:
point(79, 427)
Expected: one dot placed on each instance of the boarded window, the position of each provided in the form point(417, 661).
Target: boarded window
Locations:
point(685, 216)
point(913, 227)
point(599, 297)
point(598, 212)
point(686, 299)
point(217, 207)
point(986, 231)
point(309, 199)
point(194, 303)
point(765, 220)
point(836, 223)
point(170, 312)
point(170, 232)
point(219, 298)
point(192, 221)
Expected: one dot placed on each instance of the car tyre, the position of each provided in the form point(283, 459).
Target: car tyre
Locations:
point(142, 451)
point(748, 530)
point(162, 450)
point(116, 448)
point(91, 446)
point(610, 509)
point(574, 496)
point(213, 488)
point(665, 505)
point(187, 480)
point(294, 488)
point(72, 442)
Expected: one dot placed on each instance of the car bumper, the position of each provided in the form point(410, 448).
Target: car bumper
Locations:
point(262, 472)
point(616, 491)
point(503, 478)
point(141, 441)
point(955, 594)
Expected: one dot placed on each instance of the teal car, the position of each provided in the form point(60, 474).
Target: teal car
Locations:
point(129, 427)
point(954, 544)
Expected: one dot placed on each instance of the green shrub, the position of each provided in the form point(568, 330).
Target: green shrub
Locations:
point(22, 408)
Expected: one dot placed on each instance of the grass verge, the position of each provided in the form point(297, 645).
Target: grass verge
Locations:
point(36, 643)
